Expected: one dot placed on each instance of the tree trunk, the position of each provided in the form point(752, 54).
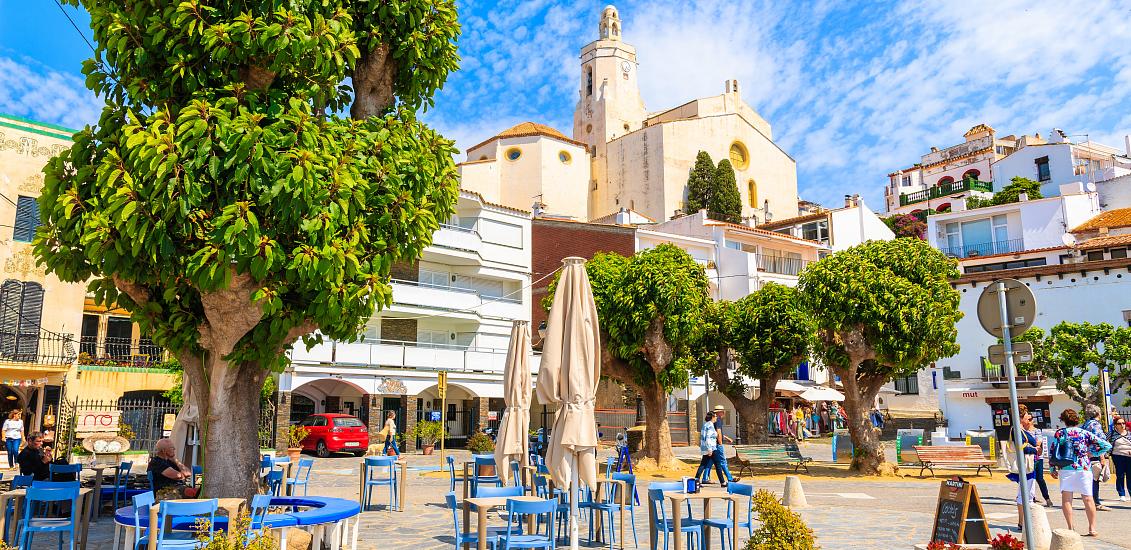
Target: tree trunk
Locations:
point(757, 420)
point(859, 396)
point(231, 457)
point(657, 432)
point(373, 83)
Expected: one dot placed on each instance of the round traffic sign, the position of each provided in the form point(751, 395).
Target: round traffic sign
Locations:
point(1020, 304)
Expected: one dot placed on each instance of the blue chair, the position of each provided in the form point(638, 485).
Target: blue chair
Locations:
point(18, 482)
point(692, 529)
point(723, 524)
point(61, 470)
point(274, 481)
point(476, 479)
point(142, 502)
point(301, 478)
point(265, 464)
point(516, 474)
point(452, 472)
point(32, 523)
point(372, 474)
point(514, 537)
point(121, 484)
point(629, 498)
point(676, 486)
point(149, 477)
point(606, 506)
point(260, 504)
point(177, 540)
point(542, 490)
point(467, 537)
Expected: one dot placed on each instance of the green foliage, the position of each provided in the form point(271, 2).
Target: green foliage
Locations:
point(429, 432)
point(262, 540)
point(725, 202)
point(780, 528)
point(973, 202)
point(219, 164)
point(126, 431)
point(295, 435)
point(906, 225)
point(1073, 352)
point(770, 331)
point(700, 181)
point(891, 300)
point(479, 443)
point(1012, 191)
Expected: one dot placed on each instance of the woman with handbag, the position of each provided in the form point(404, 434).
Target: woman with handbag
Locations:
point(1121, 457)
point(1030, 450)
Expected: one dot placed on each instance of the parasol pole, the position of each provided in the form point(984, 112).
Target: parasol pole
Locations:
point(573, 512)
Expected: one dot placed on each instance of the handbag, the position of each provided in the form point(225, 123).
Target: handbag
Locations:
point(1100, 471)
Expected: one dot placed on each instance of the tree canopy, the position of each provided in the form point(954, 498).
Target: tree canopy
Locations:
point(906, 225)
point(725, 202)
point(223, 200)
point(1073, 354)
point(700, 182)
point(1012, 191)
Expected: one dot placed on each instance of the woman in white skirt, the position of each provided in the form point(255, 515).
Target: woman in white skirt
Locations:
point(1076, 478)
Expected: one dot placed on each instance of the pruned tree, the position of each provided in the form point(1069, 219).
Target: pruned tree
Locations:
point(700, 183)
point(1073, 354)
point(883, 309)
point(725, 202)
point(223, 200)
point(1012, 191)
point(649, 306)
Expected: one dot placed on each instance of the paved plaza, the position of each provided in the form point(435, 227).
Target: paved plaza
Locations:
point(845, 512)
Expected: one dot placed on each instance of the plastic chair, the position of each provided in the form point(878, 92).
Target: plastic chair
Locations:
point(304, 464)
point(542, 490)
point(672, 486)
point(142, 502)
point(274, 481)
point(723, 524)
point(374, 465)
point(121, 484)
point(476, 479)
point(32, 523)
point(629, 500)
point(452, 472)
point(60, 470)
point(604, 506)
point(260, 505)
point(18, 482)
point(514, 537)
point(183, 539)
point(467, 537)
point(693, 529)
point(149, 477)
point(516, 474)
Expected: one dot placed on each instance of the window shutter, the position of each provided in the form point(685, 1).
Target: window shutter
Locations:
point(31, 315)
point(27, 219)
point(10, 297)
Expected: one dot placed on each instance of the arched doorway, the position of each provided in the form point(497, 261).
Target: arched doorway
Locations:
point(461, 413)
point(329, 395)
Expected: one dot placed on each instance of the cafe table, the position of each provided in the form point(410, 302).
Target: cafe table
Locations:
point(677, 500)
point(17, 497)
point(483, 505)
point(98, 470)
point(229, 506)
point(402, 480)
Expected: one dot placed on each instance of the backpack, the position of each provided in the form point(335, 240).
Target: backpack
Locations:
point(1062, 453)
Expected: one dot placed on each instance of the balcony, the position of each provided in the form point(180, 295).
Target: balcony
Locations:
point(455, 298)
point(457, 237)
point(37, 348)
point(781, 265)
point(111, 352)
point(946, 190)
point(984, 249)
point(407, 355)
point(995, 374)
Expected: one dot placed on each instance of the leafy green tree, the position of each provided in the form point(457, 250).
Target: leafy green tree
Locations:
point(650, 306)
point(883, 309)
point(1073, 354)
point(770, 332)
point(700, 182)
point(1012, 192)
point(725, 203)
point(225, 203)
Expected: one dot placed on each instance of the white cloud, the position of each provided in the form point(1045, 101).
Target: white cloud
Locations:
point(34, 91)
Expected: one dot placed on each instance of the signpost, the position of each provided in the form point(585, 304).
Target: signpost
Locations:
point(442, 390)
point(1006, 309)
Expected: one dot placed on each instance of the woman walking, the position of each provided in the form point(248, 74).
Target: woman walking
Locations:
point(1077, 476)
point(1121, 456)
point(1099, 461)
point(391, 434)
point(1030, 452)
point(1039, 458)
point(708, 442)
point(13, 436)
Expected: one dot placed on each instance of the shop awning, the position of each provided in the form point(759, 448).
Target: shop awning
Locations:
point(821, 393)
point(789, 387)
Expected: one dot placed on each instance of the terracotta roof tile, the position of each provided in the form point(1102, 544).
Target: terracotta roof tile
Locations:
point(787, 222)
point(1107, 241)
point(524, 129)
point(1120, 217)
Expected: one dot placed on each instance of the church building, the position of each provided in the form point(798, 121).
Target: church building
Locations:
point(623, 157)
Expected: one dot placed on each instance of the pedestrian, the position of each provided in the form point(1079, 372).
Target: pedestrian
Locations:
point(1101, 472)
point(823, 412)
point(35, 459)
point(719, 457)
point(13, 435)
point(1039, 459)
point(1114, 416)
point(390, 432)
point(1076, 478)
point(1121, 457)
point(169, 474)
point(1030, 450)
point(708, 441)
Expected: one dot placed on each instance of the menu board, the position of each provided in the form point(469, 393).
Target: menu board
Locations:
point(959, 517)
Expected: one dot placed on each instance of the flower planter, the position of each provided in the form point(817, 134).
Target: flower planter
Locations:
point(427, 449)
point(294, 452)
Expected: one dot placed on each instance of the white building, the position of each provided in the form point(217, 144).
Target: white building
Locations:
point(452, 312)
point(946, 176)
point(839, 228)
point(1059, 161)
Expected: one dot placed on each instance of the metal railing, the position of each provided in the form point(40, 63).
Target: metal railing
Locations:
point(455, 288)
point(996, 374)
point(459, 228)
point(119, 352)
point(984, 249)
point(38, 346)
point(781, 265)
point(945, 189)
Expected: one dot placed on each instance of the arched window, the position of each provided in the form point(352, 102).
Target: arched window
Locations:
point(588, 81)
point(971, 174)
point(565, 157)
point(752, 193)
point(946, 181)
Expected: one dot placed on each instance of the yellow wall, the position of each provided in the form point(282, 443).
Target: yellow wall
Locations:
point(87, 384)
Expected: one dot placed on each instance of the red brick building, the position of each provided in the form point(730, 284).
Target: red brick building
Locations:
point(553, 239)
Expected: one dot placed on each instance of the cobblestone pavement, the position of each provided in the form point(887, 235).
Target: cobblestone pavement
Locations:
point(845, 513)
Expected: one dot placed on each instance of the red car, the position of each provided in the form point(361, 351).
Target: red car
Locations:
point(335, 433)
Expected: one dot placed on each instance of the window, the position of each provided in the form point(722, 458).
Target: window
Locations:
point(426, 337)
point(971, 174)
point(816, 231)
point(738, 156)
point(1001, 234)
point(589, 83)
point(513, 153)
point(27, 219)
point(1015, 264)
point(752, 193)
point(564, 157)
point(1117, 253)
point(946, 181)
point(1043, 173)
point(88, 337)
point(906, 181)
point(953, 239)
point(21, 311)
point(1095, 255)
point(433, 278)
point(348, 423)
point(907, 385)
point(734, 245)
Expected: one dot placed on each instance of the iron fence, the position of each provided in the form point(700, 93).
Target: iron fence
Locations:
point(37, 346)
point(119, 352)
point(458, 424)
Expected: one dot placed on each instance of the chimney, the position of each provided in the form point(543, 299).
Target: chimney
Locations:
point(848, 201)
point(538, 209)
point(1022, 196)
point(735, 86)
point(856, 199)
point(728, 86)
point(934, 149)
point(1127, 143)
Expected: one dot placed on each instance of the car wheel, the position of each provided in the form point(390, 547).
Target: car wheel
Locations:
point(359, 454)
point(321, 450)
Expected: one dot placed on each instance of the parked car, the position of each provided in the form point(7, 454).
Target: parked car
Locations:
point(335, 433)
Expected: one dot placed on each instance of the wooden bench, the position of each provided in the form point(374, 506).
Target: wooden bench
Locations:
point(747, 456)
point(952, 455)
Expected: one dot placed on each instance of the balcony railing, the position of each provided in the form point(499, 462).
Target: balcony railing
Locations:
point(984, 249)
point(995, 374)
point(120, 352)
point(781, 265)
point(405, 354)
point(37, 347)
point(945, 190)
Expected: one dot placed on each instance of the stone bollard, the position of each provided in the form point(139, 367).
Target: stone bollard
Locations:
point(297, 539)
point(794, 496)
point(1066, 539)
point(1039, 524)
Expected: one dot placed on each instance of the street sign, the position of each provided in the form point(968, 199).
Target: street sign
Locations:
point(1022, 353)
point(1021, 304)
point(442, 384)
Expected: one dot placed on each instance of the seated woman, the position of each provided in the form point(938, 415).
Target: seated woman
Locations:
point(169, 474)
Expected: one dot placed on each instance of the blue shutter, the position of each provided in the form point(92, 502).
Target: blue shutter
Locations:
point(27, 219)
point(803, 371)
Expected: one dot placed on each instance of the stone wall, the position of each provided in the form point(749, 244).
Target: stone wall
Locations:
point(405, 271)
point(484, 406)
point(401, 330)
point(408, 403)
point(282, 418)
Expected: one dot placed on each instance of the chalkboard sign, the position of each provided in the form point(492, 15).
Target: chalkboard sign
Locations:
point(959, 517)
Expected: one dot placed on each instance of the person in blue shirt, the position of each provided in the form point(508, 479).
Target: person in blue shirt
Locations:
point(1092, 413)
point(708, 442)
point(719, 457)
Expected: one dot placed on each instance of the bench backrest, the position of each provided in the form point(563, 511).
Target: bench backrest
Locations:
point(951, 452)
point(769, 452)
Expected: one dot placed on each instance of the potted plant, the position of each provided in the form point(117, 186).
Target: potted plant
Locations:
point(428, 432)
point(480, 444)
point(295, 435)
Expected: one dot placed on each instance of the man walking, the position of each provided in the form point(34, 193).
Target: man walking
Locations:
point(719, 457)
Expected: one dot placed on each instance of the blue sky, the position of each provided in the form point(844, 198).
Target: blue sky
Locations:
point(854, 90)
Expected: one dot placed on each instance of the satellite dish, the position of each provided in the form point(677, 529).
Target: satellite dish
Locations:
point(1090, 186)
point(1068, 239)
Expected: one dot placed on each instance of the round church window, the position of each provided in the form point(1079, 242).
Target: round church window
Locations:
point(738, 156)
point(513, 153)
point(564, 157)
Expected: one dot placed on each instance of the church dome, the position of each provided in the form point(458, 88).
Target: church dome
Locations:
point(531, 129)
